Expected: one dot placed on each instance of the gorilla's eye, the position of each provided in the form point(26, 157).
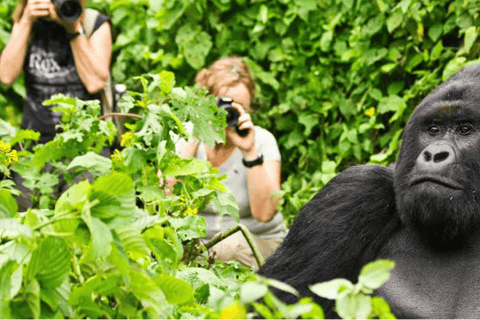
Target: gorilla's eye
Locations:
point(433, 129)
point(464, 129)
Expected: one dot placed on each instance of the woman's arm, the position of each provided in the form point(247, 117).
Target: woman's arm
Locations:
point(13, 55)
point(92, 57)
point(262, 181)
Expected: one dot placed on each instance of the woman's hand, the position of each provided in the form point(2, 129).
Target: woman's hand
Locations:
point(245, 144)
point(70, 27)
point(35, 9)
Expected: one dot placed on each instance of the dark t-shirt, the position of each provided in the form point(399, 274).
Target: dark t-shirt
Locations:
point(50, 69)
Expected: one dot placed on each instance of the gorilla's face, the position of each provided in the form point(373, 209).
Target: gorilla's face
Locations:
point(437, 177)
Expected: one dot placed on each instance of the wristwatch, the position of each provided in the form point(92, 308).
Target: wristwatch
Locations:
point(253, 163)
point(71, 36)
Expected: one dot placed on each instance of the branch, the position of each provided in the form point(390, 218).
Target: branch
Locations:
point(248, 236)
point(119, 115)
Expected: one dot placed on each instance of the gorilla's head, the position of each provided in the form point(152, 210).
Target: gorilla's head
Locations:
point(437, 176)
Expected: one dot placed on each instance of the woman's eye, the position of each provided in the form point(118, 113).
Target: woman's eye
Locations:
point(433, 129)
point(464, 129)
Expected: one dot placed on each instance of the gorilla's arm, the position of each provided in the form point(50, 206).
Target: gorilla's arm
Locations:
point(337, 232)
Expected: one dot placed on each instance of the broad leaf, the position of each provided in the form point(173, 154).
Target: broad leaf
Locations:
point(50, 262)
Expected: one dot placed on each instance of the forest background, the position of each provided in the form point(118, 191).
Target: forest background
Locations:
point(336, 79)
point(336, 83)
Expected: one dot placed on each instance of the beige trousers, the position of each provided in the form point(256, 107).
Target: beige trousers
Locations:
point(236, 248)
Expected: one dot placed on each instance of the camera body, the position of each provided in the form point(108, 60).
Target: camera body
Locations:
point(68, 10)
point(232, 114)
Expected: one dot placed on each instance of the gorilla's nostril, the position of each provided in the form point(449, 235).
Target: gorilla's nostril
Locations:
point(439, 157)
point(427, 156)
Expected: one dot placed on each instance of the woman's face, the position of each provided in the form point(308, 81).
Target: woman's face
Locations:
point(239, 95)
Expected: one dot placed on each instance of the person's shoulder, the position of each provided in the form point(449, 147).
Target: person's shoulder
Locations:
point(263, 134)
point(100, 17)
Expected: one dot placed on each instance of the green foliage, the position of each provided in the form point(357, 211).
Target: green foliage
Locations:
point(354, 301)
point(336, 79)
point(113, 243)
point(336, 83)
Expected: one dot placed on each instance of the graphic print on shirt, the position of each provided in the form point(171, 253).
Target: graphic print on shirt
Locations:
point(44, 64)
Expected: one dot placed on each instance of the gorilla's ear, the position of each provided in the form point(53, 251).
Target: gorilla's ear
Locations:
point(338, 231)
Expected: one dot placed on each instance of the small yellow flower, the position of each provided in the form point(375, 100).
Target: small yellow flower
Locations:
point(370, 112)
point(234, 311)
point(128, 139)
point(12, 157)
point(5, 147)
point(190, 211)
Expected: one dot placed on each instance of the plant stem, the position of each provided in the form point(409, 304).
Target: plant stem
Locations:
point(119, 115)
point(70, 217)
point(248, 237)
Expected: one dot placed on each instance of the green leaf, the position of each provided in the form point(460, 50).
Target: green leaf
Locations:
point(375, 274)
point(113, 197)
point(133, 242)
point(185, 167)
point(435, 31)
point(8, 205)
point(194, 44)
point(149, 294)
point(353, 306)
point(452, 67)
point(5, 288)
point(100, 239)
point(190, 227)
point(394, 21)
point(331, 289)
point(168, 81)
point(390, 103)
point(470, 36)
point(202, 293)
point(252, 291)
point(381, 309)
point(32, 297)
point(50, 263)
point(176, 291)
point(96, 164)
point(437, 51)
point(225, 204)
point(280, 285)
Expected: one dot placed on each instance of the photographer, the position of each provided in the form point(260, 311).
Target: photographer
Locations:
point(56, 56)
point(251, 158)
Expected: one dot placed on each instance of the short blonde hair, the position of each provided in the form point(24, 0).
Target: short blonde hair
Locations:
point(226, 73)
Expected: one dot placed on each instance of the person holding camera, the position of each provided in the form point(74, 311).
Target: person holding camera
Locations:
point(49, 44)
point(251, 159)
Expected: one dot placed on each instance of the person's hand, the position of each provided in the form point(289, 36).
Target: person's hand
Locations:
point(35, 9)
point(70, 27)
point(245, 144)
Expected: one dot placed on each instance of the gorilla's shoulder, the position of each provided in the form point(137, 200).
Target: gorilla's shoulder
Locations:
point(358, 184)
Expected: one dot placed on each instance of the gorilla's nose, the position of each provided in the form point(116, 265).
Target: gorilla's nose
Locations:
point(435, 158)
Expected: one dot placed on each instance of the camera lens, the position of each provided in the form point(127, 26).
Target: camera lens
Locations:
point(69, 9)
point(232, 113)
point(232, 116)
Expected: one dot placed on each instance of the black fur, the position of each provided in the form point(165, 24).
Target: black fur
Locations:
point(346, 225)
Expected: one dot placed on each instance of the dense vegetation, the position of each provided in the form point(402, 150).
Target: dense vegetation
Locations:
point(337, 80)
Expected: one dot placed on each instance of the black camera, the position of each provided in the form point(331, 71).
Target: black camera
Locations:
point(232, 114)
point(68, 10)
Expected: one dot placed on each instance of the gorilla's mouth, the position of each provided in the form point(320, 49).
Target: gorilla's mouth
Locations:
point(438, 180)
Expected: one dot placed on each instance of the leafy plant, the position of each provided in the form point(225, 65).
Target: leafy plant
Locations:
point(354, 301)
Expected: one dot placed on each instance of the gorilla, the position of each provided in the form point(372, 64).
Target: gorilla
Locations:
point(422, 212)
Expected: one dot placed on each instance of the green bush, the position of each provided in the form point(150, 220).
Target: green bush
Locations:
point(337, 79)
point(118, 245)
